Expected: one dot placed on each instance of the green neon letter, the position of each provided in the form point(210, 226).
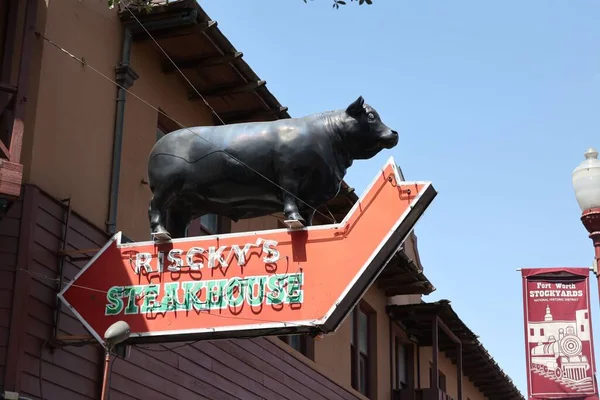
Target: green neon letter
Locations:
point(235, 299)
point(295, 294)
point(115, 305)
point(256, 283)
point(215, 294)
point(133, 293)
point(276, 293)
point(170, 301)
point(191, 295)
point(149, 303)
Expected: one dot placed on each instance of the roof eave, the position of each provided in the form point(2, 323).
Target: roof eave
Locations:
point(201, 24)
point(479, 363)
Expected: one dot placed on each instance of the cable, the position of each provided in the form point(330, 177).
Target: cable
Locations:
point(167, 348)
point(85, 64)
point(172, 62)
point(212, 109)
point(237, 317)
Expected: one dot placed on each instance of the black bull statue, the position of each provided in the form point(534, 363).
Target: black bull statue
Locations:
point(255, 169)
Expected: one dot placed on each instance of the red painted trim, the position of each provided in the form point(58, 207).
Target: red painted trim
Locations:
point(18, 318)
point(11, 171)
point(11, 178)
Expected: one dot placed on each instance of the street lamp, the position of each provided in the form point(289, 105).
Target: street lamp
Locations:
point(115, 334)
point(586, 182)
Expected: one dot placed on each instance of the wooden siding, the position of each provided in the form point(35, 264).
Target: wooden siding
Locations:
point(68, 372)
point(224, 369)
point(10, 226)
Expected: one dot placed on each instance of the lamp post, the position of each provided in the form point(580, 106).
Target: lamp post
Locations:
point(115, 334)
point(586, 183)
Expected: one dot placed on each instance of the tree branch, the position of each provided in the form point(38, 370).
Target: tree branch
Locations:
point(146, 5)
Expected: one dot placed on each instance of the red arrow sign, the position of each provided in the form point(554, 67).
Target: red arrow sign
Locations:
point(248, 284)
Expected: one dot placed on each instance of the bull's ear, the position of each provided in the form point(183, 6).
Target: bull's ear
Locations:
point(356, 107)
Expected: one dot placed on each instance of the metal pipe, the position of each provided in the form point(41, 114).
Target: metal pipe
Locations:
point(418, 366)
point(435, 348)
point(125, 77)
point(61, 263)
point(393, 351)
point(105, 387)
point(459, 372)
point(123, 70)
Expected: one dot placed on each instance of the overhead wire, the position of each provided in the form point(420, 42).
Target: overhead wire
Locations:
point(172, 62)
point(64, 280)
point(215, 113)
point(164, 349)
point(86, 64)
point(42, 276)
point(158, 110)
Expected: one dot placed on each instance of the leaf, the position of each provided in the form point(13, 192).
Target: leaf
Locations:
point(369, 2)
point(341, 2)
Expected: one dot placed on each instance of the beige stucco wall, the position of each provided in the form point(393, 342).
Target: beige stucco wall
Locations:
point(332, 352)
point(169, 94)
point(448, 369)
point(254, 224)
point(72, 137)
point(77, 146)
point(69, 139)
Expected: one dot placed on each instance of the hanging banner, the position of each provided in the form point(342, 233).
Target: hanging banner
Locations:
point(558, 333)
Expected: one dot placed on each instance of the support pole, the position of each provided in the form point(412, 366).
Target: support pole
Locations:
point(105, 387)
point(591, 220)
point(435, 349)
point(459, 371)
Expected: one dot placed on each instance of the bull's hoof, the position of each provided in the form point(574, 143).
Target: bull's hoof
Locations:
point(294, 223)
point(161, 237)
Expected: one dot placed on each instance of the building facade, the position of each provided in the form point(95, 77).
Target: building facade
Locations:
point(85, 92)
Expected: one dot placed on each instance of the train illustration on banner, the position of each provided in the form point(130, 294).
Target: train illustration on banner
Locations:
point(559, 354)
point(562, 356)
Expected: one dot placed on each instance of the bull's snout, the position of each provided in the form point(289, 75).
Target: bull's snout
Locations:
point(390, 140)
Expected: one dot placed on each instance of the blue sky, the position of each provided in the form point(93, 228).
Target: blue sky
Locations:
point(495, 103)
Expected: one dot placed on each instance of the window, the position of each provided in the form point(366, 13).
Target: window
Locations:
point(207, 224)
point(531, 332)
point(442, 381)
point(402, 363)
point(362, 348)
point(159, 133)
point(542, 332)
point(582, 328)
point(432, 379)
point(303, 344)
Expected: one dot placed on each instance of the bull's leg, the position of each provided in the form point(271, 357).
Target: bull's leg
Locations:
point(290, 208)
point(177, 223)
point(308, 214)
point(156, 215)
point(291, 202)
